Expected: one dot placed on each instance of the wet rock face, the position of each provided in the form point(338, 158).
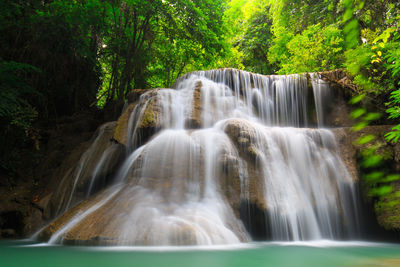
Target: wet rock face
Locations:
point(84, 170)
point(88, 231)
point(347, 150)
point(135, 94)
point(140, 120)
point(121, 129)
point(339, 113)
point(346, 139)
point(335, 95)
point(194, 121)
point(387, 209)
point(152, 112)
point(243, 136)
point(111, 220)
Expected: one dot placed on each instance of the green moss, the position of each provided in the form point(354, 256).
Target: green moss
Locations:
point(149, 118)
point(252, 152)
point(385, 151)
point(388, 211)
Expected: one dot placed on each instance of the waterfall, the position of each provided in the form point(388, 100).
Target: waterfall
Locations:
point(91, 171)
point(321, 96)
point(223, 141)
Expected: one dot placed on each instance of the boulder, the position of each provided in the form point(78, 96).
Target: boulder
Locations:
point(105, 219)
point(243, 136)
point(135, 94)
point(145, 112)
point(88, 231)
point(121, 129)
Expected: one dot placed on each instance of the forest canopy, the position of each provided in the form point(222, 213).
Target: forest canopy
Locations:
point(60, 57)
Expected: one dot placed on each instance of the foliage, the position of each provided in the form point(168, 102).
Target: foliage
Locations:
point(249, 31)
point(16, 113)
point(60, 57)
point(315, 49)
point(95, 51)
point(374, 72)
point(393, 58)
point(150, 44)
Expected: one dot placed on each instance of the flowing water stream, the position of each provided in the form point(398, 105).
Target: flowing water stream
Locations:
point(226, 140)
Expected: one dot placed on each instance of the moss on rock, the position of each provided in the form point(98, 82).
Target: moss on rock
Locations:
point(388, 209)
point(151, 114)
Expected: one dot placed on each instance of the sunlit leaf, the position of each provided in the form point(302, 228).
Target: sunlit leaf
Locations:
point(365, 139)
point(357, 99)
point(358, 113)
point(359, 126)
point(372, 116)
point(381, 191)
point(372, 161)
point(374, 176)
point(391, 178)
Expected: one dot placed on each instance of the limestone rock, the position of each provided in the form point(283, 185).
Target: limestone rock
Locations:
point(121, 129)
point(89, 229)
point(348, 152)
point(243, 137)
point(387, 208)
point(347, 138)
point(151, 114)
point(194, 121)
point(135, 94)
point(78, 169)
point(105, 223)
point(143, 113)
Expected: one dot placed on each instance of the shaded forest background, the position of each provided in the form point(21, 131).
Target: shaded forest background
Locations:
point(59, 58)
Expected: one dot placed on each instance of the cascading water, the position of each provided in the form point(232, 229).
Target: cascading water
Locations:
point(224, 139)
point(91, 171)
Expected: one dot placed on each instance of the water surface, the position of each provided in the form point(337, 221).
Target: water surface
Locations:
point(321, 253)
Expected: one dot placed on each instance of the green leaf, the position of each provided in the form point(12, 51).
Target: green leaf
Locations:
point(372, 161)
point(374, 177)
point(357, 99)
point(358, 113)
point(359, 126)
point(381, 191)
point(365, 139)
point(393, 136)
point(391, 178)
point(372, 116)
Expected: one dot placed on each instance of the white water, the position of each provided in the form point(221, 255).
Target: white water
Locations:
point(90, 174)
point(321, 96)
point(179, 192)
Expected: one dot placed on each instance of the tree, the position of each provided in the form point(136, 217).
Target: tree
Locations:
point(249, 29)
point(150, 43)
